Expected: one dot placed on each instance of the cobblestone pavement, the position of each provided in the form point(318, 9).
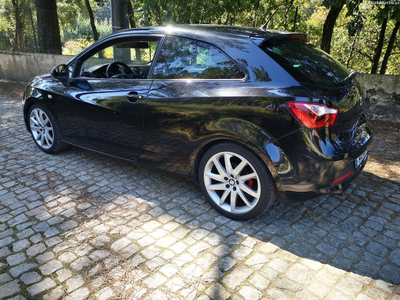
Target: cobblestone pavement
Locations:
point(82, 225)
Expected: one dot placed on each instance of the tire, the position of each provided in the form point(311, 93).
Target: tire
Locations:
point(235, 181)
point(44, 130)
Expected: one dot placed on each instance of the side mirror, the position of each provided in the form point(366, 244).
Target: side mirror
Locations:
point(60, 72)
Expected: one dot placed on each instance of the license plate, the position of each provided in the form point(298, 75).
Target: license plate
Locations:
point(359, 160)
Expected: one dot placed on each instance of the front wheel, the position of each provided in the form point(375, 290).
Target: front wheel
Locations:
point(44, 130)
point(235, 181)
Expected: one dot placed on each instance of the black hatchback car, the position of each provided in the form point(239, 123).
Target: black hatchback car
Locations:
point(248, 113)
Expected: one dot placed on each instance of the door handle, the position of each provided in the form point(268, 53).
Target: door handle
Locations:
point(133, 97)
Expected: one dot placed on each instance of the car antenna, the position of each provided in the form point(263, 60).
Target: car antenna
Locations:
point(269, 19)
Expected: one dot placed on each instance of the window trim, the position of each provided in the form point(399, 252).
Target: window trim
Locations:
point(82, 57)
point(151, 72)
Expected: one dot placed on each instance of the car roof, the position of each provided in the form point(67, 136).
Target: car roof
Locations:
point(199, 31)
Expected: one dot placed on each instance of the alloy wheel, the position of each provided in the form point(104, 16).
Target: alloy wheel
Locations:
point(232, 182)
point(41, 128)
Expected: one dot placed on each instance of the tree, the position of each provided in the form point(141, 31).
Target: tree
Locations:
point(396, 17)
point(48, 27)
point(20, 11)
point(382, 18)
point(91, 18)
point(334, 11)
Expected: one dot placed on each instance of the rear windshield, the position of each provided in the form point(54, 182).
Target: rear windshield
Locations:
point(307, 63)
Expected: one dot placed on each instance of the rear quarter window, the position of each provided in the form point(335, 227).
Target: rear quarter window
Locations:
point(307, 63)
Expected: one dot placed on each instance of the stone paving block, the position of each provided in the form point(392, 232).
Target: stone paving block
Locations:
point(155, 281)
point(199, 247)
point(80, 294)
point(6, 241)
point(5, 252)
point(30, 277)
point(99, 255)
point(17, 220)
point(80, 263)
point(36, 249)
point(63, 274)
point(6, 233)
point(278, 265)
point(21, 245)
point(9, 289)
point(394, 257)
point(257, 261)
point(18, 297)
point(67, 257)
point(54, 294)
point(81, 249)
point(16, 259)
point(217, 291)
point(45, 257)
point(105, 293)
point(50, 267)
point(268, 248)
point(318, 289)
point(236, 277)
point(22, 268)
point(74, 283)
point(192, 271)
point(120, 244)
point(50, 242)
point(100, 241)
point(350, 286)
point(250, 293)
point(25, 233)
point(40, 287)
point(36, 238)
point(5, 278)
point(298, 273)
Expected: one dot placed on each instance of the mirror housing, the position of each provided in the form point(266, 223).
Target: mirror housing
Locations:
point(60, 72)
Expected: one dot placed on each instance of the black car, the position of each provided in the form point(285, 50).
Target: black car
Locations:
point(248, 113)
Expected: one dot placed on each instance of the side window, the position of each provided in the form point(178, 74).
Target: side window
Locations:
point(181, 58)
point(132, 59)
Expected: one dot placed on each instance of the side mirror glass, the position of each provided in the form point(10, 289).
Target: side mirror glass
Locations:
point(60, 72)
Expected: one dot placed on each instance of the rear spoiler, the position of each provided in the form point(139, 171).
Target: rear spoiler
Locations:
point(282, 38)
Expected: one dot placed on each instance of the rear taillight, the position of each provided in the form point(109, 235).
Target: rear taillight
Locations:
point(313, 115)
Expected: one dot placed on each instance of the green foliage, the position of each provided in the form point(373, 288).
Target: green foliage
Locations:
point(354, 39)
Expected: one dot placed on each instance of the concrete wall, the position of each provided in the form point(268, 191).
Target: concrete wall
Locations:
point(20, 67)
point(381, 92)
point(382, 96)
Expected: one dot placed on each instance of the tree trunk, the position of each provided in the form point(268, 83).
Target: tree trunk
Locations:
point(131, 15)
point(91, 18)
point(328, 27)
point(352, 50)
point(19, 44)
point(378, 49)
point(48, 28)
point(389, 48)
point(20, 33)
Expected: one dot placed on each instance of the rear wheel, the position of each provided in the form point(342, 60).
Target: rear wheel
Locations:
point(44, 130)
point(235, 181)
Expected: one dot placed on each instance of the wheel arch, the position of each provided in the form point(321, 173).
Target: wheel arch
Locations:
point(256, 150)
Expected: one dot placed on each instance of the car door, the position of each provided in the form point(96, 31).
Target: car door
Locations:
point(192, 82)
point(108, 115)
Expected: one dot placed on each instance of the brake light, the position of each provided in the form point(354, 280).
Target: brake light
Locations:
point(313, 115)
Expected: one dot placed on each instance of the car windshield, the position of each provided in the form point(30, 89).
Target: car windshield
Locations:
point(307, 63)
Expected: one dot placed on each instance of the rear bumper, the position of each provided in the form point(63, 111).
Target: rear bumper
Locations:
point(321, 167)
